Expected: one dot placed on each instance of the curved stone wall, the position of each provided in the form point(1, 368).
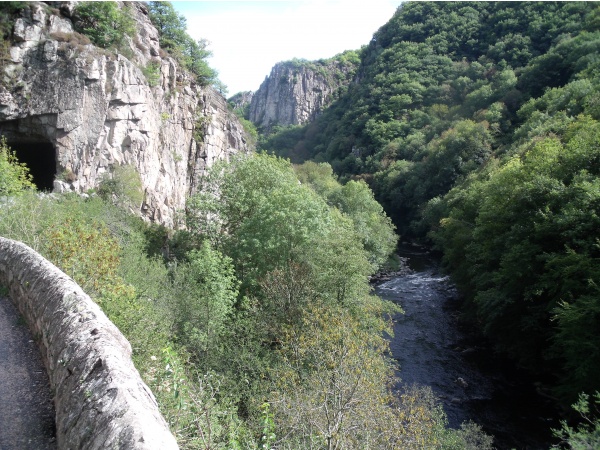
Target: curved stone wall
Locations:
point(101, 401)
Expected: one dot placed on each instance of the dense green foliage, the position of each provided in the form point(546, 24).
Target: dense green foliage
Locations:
point(476, 125)
point(355, 199)
point(175, 39)
point(105, 23)
point(14, 176)
point(261, 304)
point(305, 333)
point(522, 242)
point(435, 68)
point(123, 187)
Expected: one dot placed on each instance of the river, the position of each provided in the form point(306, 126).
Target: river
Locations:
point(434, 348)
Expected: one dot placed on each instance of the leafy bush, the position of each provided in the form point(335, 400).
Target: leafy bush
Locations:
point(152, 73)
point(14, 176)
point(587, 434)
point(105, 23)
point(206, 293)
point(86, 252)
point(123, 187)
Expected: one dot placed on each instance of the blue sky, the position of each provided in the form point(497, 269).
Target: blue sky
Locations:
point(248, 37)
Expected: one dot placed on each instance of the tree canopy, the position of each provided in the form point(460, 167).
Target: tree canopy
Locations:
point(175, 39)
point(105, 23)
point(475, 124)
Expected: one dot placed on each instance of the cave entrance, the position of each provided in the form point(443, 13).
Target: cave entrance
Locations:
point(39, 155)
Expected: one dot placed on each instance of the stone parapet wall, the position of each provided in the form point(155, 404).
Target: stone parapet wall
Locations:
point(101, 401)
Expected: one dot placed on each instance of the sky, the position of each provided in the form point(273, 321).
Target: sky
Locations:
point(247, 38)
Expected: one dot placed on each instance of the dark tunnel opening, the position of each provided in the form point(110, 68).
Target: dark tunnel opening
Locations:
point(39, 156)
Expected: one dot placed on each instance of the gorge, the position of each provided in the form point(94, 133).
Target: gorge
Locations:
point(474, 127)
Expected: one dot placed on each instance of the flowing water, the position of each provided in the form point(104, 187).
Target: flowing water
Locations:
point(435, 349)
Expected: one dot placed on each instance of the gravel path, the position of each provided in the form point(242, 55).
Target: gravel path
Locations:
point(26, 407)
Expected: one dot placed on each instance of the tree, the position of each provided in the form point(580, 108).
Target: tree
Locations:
point(331, 389)
point(254, 210)
point(105, 23)
point(374, 228)
point(355, 199)
point(206, 290)
point(521, 237)
point(170, 25)
point(175, 39)
point(587, 434)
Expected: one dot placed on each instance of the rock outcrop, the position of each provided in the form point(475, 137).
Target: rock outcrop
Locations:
point(241, 100)
point(297, 91)
point(98, 109)
point(101, 401)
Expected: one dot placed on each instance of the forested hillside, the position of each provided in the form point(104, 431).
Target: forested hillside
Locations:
point(254, 324)
point(476, 125)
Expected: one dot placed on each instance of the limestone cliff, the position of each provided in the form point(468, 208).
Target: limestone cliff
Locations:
point(241, 100)
point(297, 91)
point(96, 109)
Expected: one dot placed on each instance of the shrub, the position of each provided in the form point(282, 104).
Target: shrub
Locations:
point(152, 73)
point(14, 176)
point(86, 252)
point(73, 39)
point(104, 22)
point(124, 187)
point(587, 434)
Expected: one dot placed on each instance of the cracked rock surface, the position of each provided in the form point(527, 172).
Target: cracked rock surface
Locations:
point(97, 110)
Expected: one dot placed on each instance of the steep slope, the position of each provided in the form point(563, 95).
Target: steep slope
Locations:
point(432, 66)
point(241, 100)
point(476, 125)
point(87, 110)
point(297, 91)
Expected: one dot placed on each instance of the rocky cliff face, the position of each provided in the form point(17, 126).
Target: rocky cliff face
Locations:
point(96, 109)
point(297, 91)
point(241, 100)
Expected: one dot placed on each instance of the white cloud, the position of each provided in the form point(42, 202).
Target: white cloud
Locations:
point(249, 37)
